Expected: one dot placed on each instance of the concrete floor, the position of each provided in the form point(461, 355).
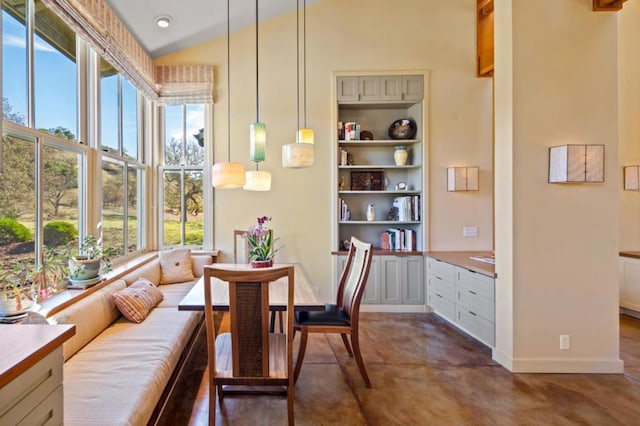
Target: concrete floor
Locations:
point(423, 372)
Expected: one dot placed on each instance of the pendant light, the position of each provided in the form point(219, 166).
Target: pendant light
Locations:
point(228, 175)
point(301, 153)
point(257, 180)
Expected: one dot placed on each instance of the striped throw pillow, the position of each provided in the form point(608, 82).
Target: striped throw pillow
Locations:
point(136, 301)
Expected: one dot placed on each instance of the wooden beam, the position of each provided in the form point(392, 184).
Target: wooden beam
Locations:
point(607, 5)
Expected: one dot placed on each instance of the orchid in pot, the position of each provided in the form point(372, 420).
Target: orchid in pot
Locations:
point(261, 244)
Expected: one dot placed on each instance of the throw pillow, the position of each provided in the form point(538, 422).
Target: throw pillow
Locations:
point(136, 301)
point(175, 266)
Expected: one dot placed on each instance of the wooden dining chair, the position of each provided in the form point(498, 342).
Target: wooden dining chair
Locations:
point(249, 355)
point(343, 316)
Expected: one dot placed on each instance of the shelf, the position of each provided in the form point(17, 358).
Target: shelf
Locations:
point(377, 251)
point(378, 222)
point(376, 104)
point(412, 192)
point(379, 142)
point(380, 166)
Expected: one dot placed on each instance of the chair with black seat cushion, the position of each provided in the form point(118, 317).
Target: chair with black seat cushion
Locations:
point(343, 316)
point(249, 355)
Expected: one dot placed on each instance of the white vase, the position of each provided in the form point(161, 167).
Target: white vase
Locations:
point(371, 213)
point(400, 155)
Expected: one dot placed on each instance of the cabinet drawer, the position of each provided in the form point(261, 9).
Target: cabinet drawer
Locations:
point(48, 412)
point(440, 286)
point(476, 303)
point(441, 305)
point(479, 327)
point(440, 269)
point(480, 284)
point(19, 397)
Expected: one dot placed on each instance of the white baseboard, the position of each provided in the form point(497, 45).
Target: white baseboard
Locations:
point(551, 365)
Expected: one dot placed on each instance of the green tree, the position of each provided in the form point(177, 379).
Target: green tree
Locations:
point(17, 189)
point(60, 132)
point(60, 180)
point(9, 115)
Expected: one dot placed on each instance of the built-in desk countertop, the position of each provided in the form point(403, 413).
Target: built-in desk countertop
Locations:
point(463, 260)
point(632, 254)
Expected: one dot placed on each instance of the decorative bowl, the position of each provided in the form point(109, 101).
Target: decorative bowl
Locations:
point(366, 135)
point(403, 128)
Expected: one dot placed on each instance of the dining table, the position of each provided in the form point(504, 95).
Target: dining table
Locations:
point(304, 298)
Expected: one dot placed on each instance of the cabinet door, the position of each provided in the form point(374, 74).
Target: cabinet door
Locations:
point(347, 88)
point(390, 280)
point(413, 267)
point(412, 88)
point(391, 88)
point(369, 88)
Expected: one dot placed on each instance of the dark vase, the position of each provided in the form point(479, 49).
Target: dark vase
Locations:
point(261, 263)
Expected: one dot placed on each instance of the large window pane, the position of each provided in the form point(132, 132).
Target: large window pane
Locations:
point(129, 120)
point(17, 206)
point(55, 76)
point(134, 192)
point(113, 206)
point(108, 109)
point(172, 209)
point(194, 231)
point(173, 133)
point(194, 137)
point(14, 62)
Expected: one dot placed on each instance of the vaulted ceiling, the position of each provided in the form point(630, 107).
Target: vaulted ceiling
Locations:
point(192, 21)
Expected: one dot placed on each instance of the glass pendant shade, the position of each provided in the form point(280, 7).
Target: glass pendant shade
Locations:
point(257, 180)
point(297, 155)
point(258, 141)
point(304, 136)
point(228, 175)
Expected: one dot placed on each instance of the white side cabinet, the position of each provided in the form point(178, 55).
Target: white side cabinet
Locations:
point(463, 297)
point(380, 88)
point(630, 283)
point(31, 380)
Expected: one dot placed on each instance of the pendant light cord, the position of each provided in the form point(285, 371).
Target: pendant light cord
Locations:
point(228, 85)
point(257, 80)
point(304, 61)
point(298, 61)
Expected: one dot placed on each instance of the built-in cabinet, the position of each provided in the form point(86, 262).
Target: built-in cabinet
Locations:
point(376, 198)
point(464, 297)
point(380, 88)
point(393, 280)
point(31, 371)
point(630, 283)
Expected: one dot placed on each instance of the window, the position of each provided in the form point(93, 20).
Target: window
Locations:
point(119, 113)
point(182, 176)
point(14, 52)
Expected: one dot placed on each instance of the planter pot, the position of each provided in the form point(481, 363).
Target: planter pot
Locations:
point(84, 269)
point(261, 263)
point(10, 304)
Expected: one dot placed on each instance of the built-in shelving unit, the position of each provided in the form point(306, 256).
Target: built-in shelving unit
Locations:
point(371, 176)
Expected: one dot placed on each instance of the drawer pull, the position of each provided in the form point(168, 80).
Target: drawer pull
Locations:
point(438, 295)
point(438, 277)
point(472, 292)
point(473, 313)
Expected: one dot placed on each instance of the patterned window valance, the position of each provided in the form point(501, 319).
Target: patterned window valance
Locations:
point(96, 23)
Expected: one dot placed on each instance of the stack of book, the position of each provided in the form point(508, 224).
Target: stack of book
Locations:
point(348, 131)
point(344, 213)
point(407, 208)
point(398, 239)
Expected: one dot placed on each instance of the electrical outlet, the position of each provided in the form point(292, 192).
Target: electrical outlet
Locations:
point(316, 290)
point(565, 342)
point(470, 231)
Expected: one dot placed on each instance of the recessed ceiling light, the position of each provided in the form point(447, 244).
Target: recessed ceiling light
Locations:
point(163, 21)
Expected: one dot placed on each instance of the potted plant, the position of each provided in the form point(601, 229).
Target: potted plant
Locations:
point(18, 293)
point(261, 244)
point(90, 259)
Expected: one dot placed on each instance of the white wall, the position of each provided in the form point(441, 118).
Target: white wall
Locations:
point(556, 250)
point(629, 102)
point(353, 35)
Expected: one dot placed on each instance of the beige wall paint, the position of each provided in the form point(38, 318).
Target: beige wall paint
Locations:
point(629, 101)
point(563, 239)
point(354, 35)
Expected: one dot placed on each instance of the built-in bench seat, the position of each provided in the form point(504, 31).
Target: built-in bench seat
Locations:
point(118, 372)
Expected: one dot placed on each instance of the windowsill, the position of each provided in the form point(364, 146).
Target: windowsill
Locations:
point(64, 298)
